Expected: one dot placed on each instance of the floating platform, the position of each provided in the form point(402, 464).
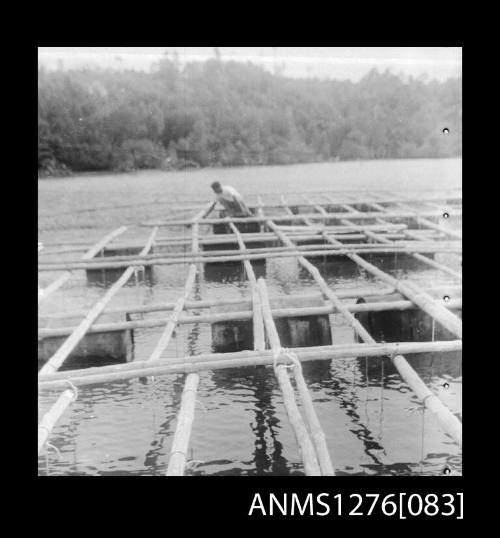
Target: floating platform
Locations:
point(94, 349)
point(107, 277)
point(403, 326)
point(345, 236)
point(295, 331)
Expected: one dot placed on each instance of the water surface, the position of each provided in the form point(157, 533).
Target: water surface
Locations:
point(368, 413)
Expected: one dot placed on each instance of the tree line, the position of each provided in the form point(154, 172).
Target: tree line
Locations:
point(218, 113)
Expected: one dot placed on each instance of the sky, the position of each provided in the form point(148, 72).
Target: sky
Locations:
point(323, 62)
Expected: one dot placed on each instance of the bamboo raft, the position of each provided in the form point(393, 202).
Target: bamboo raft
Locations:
point(340, 226)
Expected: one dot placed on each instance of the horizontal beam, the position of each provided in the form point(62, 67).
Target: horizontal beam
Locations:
point(320, 250)
point(219, 239)
point(400, 245)
point(243, 315)
point(215, 239)
point(311, 216)
point(95, 249)
point(195, 305)
point(218, 361)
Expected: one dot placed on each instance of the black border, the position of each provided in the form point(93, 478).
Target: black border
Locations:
point(219, 500)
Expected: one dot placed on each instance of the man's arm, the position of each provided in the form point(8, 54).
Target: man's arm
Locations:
point(210, 209)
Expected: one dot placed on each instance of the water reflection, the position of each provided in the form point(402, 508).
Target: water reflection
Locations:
point(164, 430)
point(260, 384)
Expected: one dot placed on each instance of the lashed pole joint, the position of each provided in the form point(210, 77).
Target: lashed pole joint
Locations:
point(314, 453)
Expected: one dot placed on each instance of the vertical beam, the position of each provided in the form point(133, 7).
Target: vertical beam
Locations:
point(258, 324)
point(180, 444)
point(306, 447)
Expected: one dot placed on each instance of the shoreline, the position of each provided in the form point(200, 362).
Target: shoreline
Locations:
point(99, 173)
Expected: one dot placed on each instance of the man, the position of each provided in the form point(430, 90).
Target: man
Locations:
point(231, 200)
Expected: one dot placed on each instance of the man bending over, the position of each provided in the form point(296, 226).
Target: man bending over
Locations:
point(231, 200)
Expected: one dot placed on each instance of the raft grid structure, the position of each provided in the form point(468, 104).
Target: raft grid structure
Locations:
point(337, 225)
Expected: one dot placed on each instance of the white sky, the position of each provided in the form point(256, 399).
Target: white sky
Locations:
point(323, 62)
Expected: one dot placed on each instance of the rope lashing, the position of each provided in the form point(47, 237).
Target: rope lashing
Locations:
point(73, 388)
point(395, 352)
point(193, 463)
point(188, 462)
point(181, 452)
point(56, 450)
point(283, 351)
point(420, 406)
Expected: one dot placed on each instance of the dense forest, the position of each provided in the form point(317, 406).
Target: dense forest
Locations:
point(218, 113)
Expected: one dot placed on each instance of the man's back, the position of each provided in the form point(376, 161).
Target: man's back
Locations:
point(232, 202)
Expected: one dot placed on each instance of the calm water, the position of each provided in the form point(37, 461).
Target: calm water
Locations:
point(240, 425)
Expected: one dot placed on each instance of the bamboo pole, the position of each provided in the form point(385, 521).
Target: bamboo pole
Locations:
point(287, 391)
point(213, 239)
point(317, 434)
point(185, 418)
point(247, 314)
point(430, 224)
point(310, 250)
point(432, 245)
point(342, 351)
point(448, 421)
point(72, 341)
point(258, 323)
point(312, 216)
point(425, 234)
point(50, 418)
point(62, 279)
point(195, 305)
point(306, 447)
point(205, 362)
point(174, 317)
